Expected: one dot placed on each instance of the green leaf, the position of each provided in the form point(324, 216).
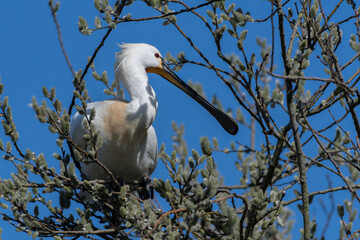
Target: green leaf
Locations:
point(167, 22)
point(191, 162)
point(355, 46)
point(8, 147)
point(340, 210)
point(252, 59)
point(52, 93)
point(231, 7)
point(4, 206)
point(104, 77)
point(305, 64)
point(307, 53)
point(83, 26)
point(85, 95)
point(313, 11)
point(1, 88)
point(205, 146)
point(168, 187)
point(210, 14)
point(64, 200)
point(353, 215)
point(36, 210)
point(82, 23)
point(71, 168)
point(56, 7)
point(112, 25)
point(96, 76)
point(1, 144)
point(290, 13)
point(181, 56)
point(303, 45)
point(97, 22)
point(97, 4)
point(297, 193)
point(243, 35)
point(57, 105)
point(265, 224)
point(195, 154)
point(108, 18)
point(5, 102)
point(45, 92)
point(35, 235)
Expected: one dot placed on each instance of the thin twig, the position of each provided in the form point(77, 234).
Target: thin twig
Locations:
point(54, 13)
point(332, 160)
point(286, 53)
point(296, 78)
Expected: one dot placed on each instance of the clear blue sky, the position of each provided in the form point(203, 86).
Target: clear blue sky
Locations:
point(30, 58)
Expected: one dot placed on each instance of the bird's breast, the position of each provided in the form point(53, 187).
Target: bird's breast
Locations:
point(123, 125)
point(115, 125)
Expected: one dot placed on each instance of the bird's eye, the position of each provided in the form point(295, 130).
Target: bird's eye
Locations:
point(157, 55)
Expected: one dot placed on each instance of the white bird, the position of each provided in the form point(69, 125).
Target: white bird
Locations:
point(129, 148)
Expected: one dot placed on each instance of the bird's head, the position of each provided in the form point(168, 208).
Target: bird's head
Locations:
point(149, 58)
point(142, 54)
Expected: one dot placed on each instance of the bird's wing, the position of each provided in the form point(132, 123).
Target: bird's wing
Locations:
point(151, 157)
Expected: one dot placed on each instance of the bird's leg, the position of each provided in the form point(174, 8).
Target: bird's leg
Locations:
point(146, 188)
point(112, 186)
point(120, 181)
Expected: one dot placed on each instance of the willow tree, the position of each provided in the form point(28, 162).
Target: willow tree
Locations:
point(292, 87)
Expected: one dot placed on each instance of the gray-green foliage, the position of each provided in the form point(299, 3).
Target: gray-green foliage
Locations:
point(270, 87)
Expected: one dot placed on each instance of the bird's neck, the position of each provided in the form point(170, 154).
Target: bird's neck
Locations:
point(143, 104)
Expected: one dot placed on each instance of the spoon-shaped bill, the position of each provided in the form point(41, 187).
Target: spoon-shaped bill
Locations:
point(225, 121)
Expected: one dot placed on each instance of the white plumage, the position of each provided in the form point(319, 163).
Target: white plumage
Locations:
point(129, 147)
